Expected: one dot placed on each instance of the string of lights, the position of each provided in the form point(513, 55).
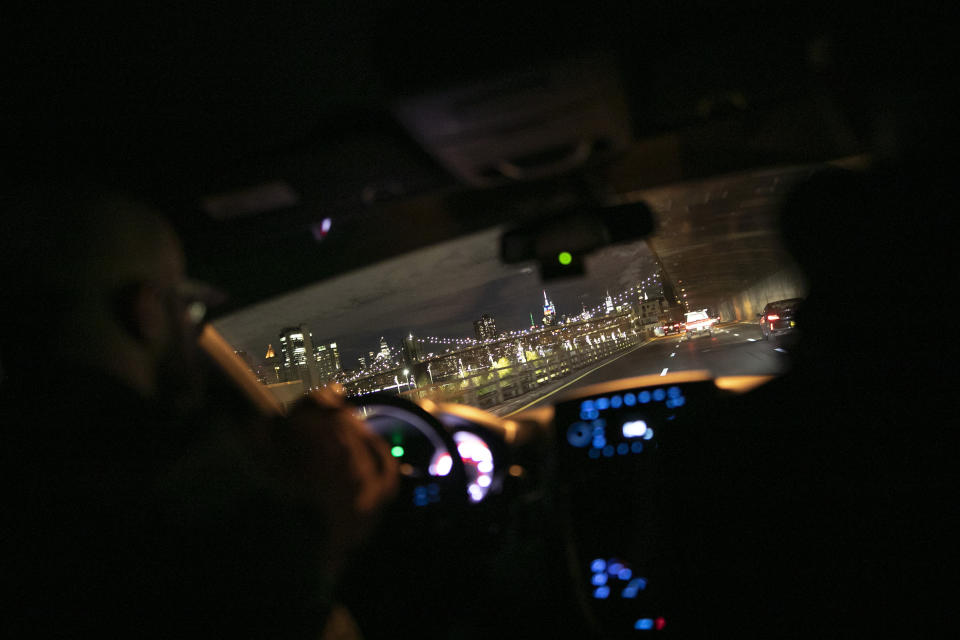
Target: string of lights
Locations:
point(457, 341)
point(621, 297)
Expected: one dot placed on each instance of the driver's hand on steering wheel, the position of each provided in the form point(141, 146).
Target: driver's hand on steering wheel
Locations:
point(345, 469)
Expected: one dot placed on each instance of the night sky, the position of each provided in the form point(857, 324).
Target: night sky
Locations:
point(438, 291)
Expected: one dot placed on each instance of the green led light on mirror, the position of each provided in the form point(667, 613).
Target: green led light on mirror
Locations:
point(564, 258)
point(396, 451)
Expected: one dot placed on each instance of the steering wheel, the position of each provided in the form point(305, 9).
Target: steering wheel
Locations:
point(433, 477)
point(404, 554)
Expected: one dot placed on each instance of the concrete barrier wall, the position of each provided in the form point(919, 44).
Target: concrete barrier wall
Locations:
point(744, 307)
point(287, 393)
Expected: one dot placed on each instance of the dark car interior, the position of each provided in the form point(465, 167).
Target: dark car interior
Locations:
point(293, 142)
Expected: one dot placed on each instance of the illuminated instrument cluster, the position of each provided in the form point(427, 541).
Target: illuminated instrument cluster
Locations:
point(419, 443)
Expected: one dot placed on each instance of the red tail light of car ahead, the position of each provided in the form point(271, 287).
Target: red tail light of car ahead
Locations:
point(772, 316)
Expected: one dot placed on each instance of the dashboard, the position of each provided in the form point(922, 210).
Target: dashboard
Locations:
point(590, 470)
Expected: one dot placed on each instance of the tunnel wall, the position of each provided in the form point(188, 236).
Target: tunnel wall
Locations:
point(744, 307)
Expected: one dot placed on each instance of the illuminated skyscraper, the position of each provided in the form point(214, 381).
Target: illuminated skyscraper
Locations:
point(273, 366)
point(609, 303)
point(384, 350)
point(296, 349)
point(549, 312)
point(485, 328)
point(328, 361)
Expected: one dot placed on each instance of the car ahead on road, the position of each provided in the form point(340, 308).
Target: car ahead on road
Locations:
point(672, 329)
point(698, 324)
point(779, 318)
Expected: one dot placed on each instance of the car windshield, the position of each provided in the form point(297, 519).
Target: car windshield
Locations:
point(452, 323)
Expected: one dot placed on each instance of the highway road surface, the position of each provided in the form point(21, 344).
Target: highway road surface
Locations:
point(734, 349)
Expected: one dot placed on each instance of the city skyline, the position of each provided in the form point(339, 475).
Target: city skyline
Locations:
point(439, 291)
point(384, 349)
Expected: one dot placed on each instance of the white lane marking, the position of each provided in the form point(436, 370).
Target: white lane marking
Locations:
point(780, 350)
point(564, 386)
point(664, 372)
point(751, 340)
point(673, 354)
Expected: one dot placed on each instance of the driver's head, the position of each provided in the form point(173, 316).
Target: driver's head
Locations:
point(102, 277)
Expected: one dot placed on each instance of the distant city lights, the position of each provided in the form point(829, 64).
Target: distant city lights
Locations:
point(405, 369)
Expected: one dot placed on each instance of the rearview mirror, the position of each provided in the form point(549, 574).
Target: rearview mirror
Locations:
point(560, 242)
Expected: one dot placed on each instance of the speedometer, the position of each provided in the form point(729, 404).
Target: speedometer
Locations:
point(477, 463)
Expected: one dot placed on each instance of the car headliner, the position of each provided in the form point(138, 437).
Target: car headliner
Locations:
point(219, 98)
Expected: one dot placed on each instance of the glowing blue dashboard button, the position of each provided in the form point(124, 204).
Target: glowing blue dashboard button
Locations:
point(659, 394)
point(587, 405)
point(599, 442)
point(629, 593)
point(679, 402)
point(637, 447)
point(623, 448)
point(625, 574)
point(643, 624)
point(589, 414)
point(599, 579)
point(598, 565)
point(649, 434)
point(594, 453)
point(629, 399)
point(608, 451)
point(599, 425)
point(616, 402)
point(578, 435)
point(614, 568)
point(601, 593)
point(638, 583)
point(674, 392)
point(603, 403)
point(669, 403)
point(643, 397)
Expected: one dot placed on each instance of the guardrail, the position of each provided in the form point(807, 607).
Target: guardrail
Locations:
point(494, 386)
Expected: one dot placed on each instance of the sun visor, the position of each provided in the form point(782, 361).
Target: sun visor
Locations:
point(524, 125)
